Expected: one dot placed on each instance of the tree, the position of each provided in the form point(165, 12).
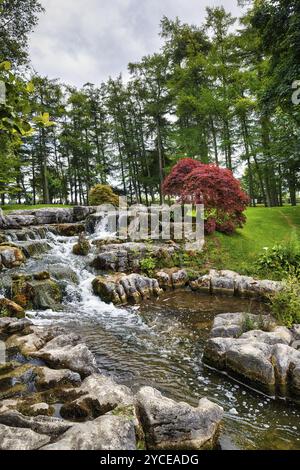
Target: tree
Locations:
point(17, 19)
point(215, 187)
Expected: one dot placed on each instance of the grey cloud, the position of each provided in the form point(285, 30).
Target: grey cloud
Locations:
point(90, 40)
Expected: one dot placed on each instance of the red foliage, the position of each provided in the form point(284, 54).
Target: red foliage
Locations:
point(212, 186)
point(173, 182)
point(210, 226)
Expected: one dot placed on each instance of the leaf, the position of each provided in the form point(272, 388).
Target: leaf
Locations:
point(30, 87)
point(6, 65)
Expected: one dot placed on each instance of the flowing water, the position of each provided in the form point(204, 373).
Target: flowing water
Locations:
point(160, 344)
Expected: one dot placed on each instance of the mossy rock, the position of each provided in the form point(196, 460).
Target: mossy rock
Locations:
point(8, 308)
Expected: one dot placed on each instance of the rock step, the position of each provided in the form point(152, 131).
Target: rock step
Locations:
point(121, 289)
point(264, 359)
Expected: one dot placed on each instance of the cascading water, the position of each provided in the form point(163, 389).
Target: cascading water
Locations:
point(160, 344)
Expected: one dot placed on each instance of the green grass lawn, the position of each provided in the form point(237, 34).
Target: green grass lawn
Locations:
point(13, 207)
point(264, 228)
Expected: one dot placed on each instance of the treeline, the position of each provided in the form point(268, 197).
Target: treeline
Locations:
point(220, 92)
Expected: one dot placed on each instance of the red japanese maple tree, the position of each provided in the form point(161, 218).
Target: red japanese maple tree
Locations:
point(215, 187)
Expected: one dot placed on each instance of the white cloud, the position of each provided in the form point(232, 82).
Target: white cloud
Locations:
point(83, 41)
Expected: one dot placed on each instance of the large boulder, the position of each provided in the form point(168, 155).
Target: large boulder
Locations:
point(169, 425)
point(11, 256)
point(36, 291)
point(172, 278)
point(49, 378)
point(8, 308)
point(121, 289)
point(78, 358)
point(128, 256)
point(266, 360)
point(231, 283)
point(82, 247)
point(39, 424)
point(21, 439)
point(98, 395)
point(107, 432)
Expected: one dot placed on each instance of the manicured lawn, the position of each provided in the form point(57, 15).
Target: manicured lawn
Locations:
point(14, 207)
point(264, 228)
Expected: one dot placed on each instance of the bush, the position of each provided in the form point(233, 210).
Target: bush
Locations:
point(285, 305)
point(148, 266)
point(281, 260)
point(103, 194)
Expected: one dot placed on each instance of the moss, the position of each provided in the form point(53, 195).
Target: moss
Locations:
point(13, 392)
point(124, 411)
point(41, 276)
point(27, 410)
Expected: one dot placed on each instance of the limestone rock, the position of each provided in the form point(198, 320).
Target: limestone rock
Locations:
point(21, 439)
point(82, 247)
point(76, 358)
point(39, 424)
point(99, 395)
point(8, 308)
point(170, 425)
point(105, 433)
point(120, 288)
point(49, 378)
point(11, 256)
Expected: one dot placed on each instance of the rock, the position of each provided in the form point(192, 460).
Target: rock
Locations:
point(164, 280)
point(34, 248)
point(21, 439)
point(252, 361)
point(16, 326)
point(266, 337)
point(68, 230)
point(8, 308)
point(82, 248)
point(36, 292)
point(105, 433)
point(36, 338)
point(202, 284)
point(286, 360)
point(222, 285)
point(248, 360)
point(82, 212)
point(170, 425)
point(39, 424)
point(11, 256)
point(24, 218)
point(99, 395)
point(62, 273)
point(215, 352)
point(127, 257)
point(296, 332)
point(77, 358)
point(233, 325)
point(121, 289)
point(49, 378)
point(230, 283)
point(172, 278)
point(27, 344)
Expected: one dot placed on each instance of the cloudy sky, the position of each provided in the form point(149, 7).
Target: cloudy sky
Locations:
point(83, 41)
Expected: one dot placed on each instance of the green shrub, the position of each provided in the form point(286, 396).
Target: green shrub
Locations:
point(103, 194)
point(285, 304)
point(148, 266)
point(280, 261)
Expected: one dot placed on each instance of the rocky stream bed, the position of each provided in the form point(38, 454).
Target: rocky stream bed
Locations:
point(96, 355)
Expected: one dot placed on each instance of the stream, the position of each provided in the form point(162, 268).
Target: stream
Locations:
point(160, 344)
